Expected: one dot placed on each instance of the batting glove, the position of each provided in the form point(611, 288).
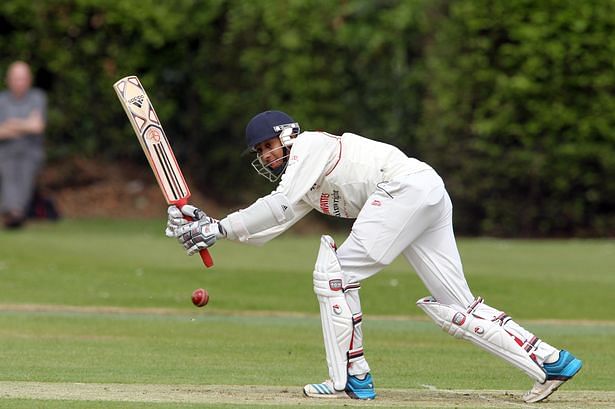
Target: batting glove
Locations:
point(200, 234)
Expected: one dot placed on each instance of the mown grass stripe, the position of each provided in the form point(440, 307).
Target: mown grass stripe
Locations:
point(213, 312)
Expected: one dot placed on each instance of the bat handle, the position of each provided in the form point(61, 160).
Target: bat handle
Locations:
point(205, 256)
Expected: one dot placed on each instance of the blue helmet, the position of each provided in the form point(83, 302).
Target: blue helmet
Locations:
point(268, 124)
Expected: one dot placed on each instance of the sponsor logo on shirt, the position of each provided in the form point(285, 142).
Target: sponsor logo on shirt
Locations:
point(324, 203)
point(331, 201)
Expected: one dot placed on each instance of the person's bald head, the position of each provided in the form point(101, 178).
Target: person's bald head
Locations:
point(19, 78)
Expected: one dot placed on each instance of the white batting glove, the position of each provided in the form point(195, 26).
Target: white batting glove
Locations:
point(177, 218)
point(200, 234)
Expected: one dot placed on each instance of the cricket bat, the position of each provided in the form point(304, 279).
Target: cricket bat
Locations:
point(155, 145)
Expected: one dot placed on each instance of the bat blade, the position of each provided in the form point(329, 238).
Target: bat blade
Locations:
point(155, 144)
point(153, 140)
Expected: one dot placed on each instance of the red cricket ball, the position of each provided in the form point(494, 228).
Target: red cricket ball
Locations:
point(200, 297)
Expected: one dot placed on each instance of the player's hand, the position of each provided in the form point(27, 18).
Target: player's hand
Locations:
point(199, 234)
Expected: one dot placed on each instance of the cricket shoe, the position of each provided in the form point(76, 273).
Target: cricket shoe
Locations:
point(360, 388)
point(558, 372)
point(355, 388)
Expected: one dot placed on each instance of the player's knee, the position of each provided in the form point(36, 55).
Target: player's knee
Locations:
point(328, 275)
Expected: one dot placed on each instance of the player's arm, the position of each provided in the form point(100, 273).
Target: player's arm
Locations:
point(258, 239)
point(260, 223)
point(255, 225)
point(264, 220)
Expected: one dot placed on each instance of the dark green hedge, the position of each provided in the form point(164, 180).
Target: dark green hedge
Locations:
point(510, 101)
point(519, 115)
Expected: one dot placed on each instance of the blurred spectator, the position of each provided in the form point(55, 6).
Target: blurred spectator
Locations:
point(23, 112)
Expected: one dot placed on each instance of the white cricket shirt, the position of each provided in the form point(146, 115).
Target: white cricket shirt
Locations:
point(335, 175)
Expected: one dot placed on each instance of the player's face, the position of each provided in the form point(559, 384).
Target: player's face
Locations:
point(271, 152)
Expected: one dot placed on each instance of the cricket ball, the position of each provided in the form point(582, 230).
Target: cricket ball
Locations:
point(200, 297)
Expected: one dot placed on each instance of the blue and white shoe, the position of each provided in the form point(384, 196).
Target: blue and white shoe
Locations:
point(360, 388)
point(355, 388)
point(558, 372)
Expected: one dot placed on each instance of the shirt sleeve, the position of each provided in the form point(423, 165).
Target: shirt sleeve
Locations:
point(309, 159)
point(258, 239)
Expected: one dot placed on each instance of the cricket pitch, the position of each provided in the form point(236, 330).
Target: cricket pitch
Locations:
point(261, 396)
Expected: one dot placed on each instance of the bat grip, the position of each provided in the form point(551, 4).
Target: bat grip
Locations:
point(206, 257)
point(204, 253)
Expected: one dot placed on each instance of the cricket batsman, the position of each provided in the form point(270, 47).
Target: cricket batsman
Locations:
point(400, 206)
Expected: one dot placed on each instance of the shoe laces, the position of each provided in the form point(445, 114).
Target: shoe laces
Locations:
point(329, 383)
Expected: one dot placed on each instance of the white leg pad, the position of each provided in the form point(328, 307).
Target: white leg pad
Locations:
point(335, 315)
point(483, 331)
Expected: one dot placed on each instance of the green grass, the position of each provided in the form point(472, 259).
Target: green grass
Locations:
point(130, 264)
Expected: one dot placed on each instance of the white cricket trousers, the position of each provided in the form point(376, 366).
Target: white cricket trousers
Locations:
point(411, 215)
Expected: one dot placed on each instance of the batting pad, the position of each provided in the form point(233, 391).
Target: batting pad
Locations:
point(335, 314)
point(484, 332)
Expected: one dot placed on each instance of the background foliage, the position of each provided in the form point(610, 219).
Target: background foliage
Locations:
point(512, 102)
point(519, 114)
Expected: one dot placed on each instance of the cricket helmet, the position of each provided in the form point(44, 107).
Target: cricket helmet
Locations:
point(267, 125)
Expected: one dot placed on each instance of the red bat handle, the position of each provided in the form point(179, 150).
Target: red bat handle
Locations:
point(205, 256)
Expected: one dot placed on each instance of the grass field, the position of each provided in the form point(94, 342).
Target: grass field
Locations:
point(97, 314)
